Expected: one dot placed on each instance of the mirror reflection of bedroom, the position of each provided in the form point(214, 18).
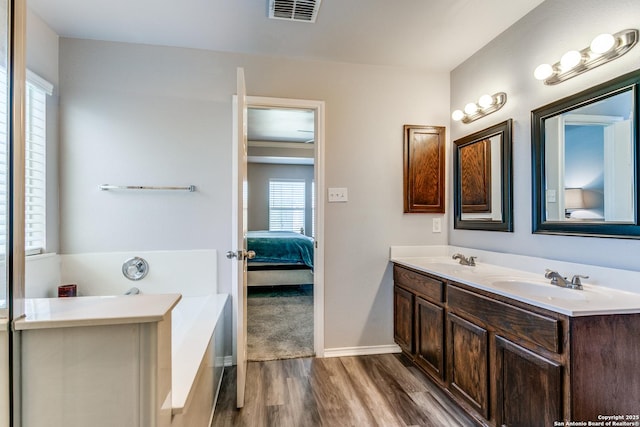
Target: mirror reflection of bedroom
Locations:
point(281, 224)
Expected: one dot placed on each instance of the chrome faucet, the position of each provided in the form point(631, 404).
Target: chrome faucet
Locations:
point(558, 280)
point(471, 261)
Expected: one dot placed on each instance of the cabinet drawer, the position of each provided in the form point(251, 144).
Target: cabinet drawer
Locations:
point(535, 328)
point(424, 286)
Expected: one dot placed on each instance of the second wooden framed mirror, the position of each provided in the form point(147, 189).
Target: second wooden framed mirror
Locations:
point(482, 180)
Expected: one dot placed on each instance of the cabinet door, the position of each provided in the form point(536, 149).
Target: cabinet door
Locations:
point(467, 363)
point(403, 318)
point(529, 387)
point(424, 169)
point(430, 337)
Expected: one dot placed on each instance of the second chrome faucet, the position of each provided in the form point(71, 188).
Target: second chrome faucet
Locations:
point(559, 280)
point(464, 260)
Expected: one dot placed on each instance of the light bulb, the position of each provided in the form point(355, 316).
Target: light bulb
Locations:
point(570, 60)
point(485, 101)
point(543, 71)
point(602, 44)
point(457, 115)
point(470, 108)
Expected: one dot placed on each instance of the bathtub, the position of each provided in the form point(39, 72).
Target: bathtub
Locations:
point(200, 322)
point(197, 358)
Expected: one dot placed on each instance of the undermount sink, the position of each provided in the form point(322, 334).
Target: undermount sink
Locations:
point(539, 290)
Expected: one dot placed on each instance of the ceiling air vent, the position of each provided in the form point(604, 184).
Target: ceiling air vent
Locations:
point(294, 10)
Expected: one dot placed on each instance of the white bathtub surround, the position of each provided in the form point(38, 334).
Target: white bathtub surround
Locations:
point(45, 313)
point(143, 363)
point(199, 326)
point(606, 291)
point(123, 360)
point(191, 273)
point(82, 365)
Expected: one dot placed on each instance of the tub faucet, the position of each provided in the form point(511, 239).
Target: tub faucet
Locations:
point(558, 280)
point(471, 261)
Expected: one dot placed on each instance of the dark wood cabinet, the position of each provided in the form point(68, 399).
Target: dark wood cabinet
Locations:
point(403, 318)
point(424, 169)
point(529, 387)
point(429, 324)
point(468, 362)
point(419, 319)
point(508, 363)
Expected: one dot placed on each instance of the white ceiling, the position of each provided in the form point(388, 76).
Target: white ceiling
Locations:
point(435, 35)
point(430, 34)
point(280, 125)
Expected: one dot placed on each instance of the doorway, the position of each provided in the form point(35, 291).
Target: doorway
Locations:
point(285, 219)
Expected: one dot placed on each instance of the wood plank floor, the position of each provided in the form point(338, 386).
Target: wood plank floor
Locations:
point(382, 390)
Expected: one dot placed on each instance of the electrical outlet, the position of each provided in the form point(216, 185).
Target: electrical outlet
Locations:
point(437, 225)
point(338, 195)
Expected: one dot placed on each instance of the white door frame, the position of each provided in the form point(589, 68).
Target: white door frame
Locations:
point(318, 262)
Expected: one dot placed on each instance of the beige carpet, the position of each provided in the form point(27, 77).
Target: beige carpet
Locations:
point(280, 323)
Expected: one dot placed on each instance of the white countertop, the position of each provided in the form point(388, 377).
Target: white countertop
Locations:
point(42, 313)
point(525, 286)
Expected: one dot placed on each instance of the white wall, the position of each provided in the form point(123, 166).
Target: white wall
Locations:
point(507, 64)
point(136, 114)
point(258, 177)
point(42, 276)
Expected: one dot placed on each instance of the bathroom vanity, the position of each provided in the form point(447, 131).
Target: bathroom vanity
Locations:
point(514, 350)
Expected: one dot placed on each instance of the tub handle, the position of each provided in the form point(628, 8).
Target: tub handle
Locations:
point(135, 268)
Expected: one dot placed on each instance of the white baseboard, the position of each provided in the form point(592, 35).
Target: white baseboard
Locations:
point(346, 351)
point(361, 351)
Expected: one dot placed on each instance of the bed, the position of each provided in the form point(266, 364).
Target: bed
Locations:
point(282, 258)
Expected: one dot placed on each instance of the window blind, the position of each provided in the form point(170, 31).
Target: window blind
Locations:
point(3, 164)
point(287, 205)
point(37, 90)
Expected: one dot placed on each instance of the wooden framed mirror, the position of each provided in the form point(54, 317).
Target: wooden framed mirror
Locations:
point(482, 180)
point(585, 162)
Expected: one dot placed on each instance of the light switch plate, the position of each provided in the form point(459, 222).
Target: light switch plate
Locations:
point(437, 225)
point(338, 195)
point(551, 196)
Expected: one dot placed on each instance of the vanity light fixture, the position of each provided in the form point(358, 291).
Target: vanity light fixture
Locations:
point(603, 48)
point(487, 104)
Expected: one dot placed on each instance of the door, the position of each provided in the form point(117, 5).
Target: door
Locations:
point(403, 318)
point(320, 194)
point(468, 362)
point(529, 387)
point(430, 337)
point(238, 255)
point(619, 201)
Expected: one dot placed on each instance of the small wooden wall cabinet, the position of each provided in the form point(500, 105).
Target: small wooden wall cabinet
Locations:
point(508, 363)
